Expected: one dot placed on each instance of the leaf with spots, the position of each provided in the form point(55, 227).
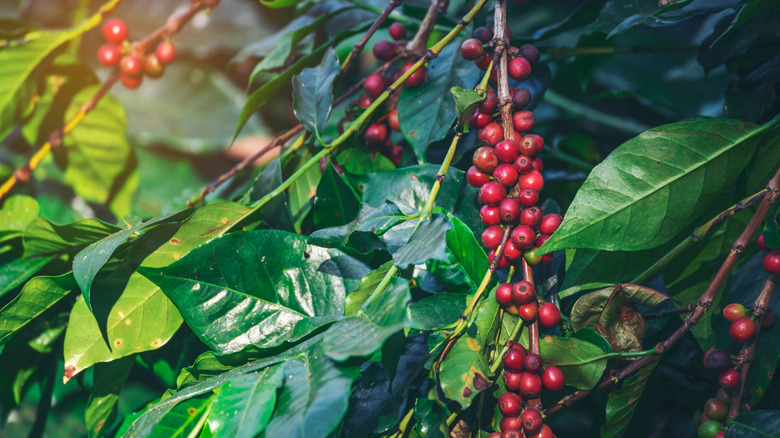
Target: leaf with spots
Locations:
point(259, 288)
point(465, 372)
point(581, 361)
point(101, 409)
point(655, 184)
point(622, 403)
point(183, 419)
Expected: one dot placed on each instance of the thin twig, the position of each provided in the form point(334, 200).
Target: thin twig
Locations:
point(369, 33)
point(417, 44)
point(671, 312)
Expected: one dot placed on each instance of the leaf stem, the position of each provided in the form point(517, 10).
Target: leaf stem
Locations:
point(512, 337)
point(440, 175)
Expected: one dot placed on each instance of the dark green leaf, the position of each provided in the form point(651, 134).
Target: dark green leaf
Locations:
point(44, 237)
point(367, 286)
point(467, 262)
point(183, 419)
point(313, 92)
point(766, 164)
point(755, 424)
point(38, 294)
point(622, 403)
point(109, 378)
point(16, 272)
point(275, 212)
point(370, 219)
point(466, 102)
point(437, 311)
point(465, 372)
point(428, 242)
point(335, 203)
point(244, 405)
point(582, 362)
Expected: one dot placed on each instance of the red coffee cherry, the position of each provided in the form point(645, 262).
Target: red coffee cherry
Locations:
point(530, 384)
point(152, 66)
point(528, 197)
point(512, 433)
point(531, 217)
point(504, 294)
point(730, 379)
point(500, 264)
point(507, 151)
point(550, 223)
point(513, 360)
point(479, 120)
point(761, 244)
point(484, 34)
point(376, 134)
point(742, 330)
point(549, 315)
point(538, 165)
point(523, 236)
point(492, 193)
point(523, 292)
point(528, 146)
point(510, 424)
point(392, 120)
point(374, 85)
point(507, 175)
point(495, 435)
point(769, 320)
point(532, 180)
point(131, 82)
point(165, 52)
point(415, 79)
point(512, 380)
point(385, 50)
point(734, 311)
point(523, 121)
point(721, 434)
point(544, 431)
point(475, 178)
point(521, 98)
point(364, 101)
point(553, 378)
point(530, 52)
point(109, 55)
point(539, 141)
point(532, 420)
point(527, 312)
point(524, 164)
point(483, 62)
point(772, 262)
point(541, 240)
point(485, 159)
point(491, 237)
point(519, 68)
point(471, 49)
point(509, 210)
point(533, 363)
point(491, 134)
point(717, 360)
point(397, 31)
point(510, 404)
point(115, 31)
point(131, 65)
point(511, 251)
point(490, 215)
point(490, 104)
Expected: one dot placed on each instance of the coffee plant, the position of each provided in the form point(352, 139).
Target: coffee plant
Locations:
point(389, 218)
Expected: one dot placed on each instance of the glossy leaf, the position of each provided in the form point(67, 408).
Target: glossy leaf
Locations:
point(16, 272)
point(17, 212)
point(38, 294)
point(465, 372)
point(766, 164)
point(623, 402)
point(755, 424)
point(182, 420)
point(275, 213)
point(243, 406)
point(45, 237)
point(102, 406)
point(291, 289)
point(467, 261)
point(582, 362)
point(466, 102)
point(655, 184)
point(367, 286)
point(426, 113)
point(428, 242)
point(437, 311)
point(313, 92)
point(335, 203)
point(375, 220)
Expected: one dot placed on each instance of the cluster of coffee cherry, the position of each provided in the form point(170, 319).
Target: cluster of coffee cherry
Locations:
point(133, 66)
point(716, 409)
point(524, 377)
point(771, 259)
point(520, 299)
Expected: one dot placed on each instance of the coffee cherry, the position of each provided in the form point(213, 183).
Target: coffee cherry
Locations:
point(523, 236)
point(519, 68)
point(471, 49)
point(523, 292)
point(533, 363)
point(708, 429)
point(512, 380)
point(485, 159)
point(720, 434)
point(491, 237)
point(717, 360)
point(115, 31)
point(376, 134)
point(385, 50)
point(392, 120)
point(530, 52)
point(527, 312)
point(374, 85)
point(511, 251)
point(152, 66)
point(716, 409)
point(490, 215)
point(528, 146)
point(165, 52)
point(723, 395)
point(734, 311)
point(507, 175)
point(495, 435)
point(492, 193)
point(769, 320)
point(538, 165)
point(730, 379)
point(521, 98)
point(544, 431)
point(530, 385)
point(512, 433)
point(541, 240)
point(131, 82)
point(479, 120)
point(513, 360)
point(523, 121)
point(549, 315)
point(509, 209)
point(109, 55)
point(553, 378)
point(516, 346)
point(510, 424)
point(364, 101)
point(131, 65)
point(490, 104)
point(483, 62)
point(491, 134)
point(532, 180)
point(533, 258)
point(531, 217)
point(539, 141)
point(742, 329)
point(550, 223)
point(506, 151)
point(761, 244)
point(415, 79)
point(528, 197)
point(500, 264)
point(772, 262)
point(504, 294)
point(397, 31)
point(475, 178)
point(532, 420)
point(524, 164)
point(484, 34)
point(510, 404)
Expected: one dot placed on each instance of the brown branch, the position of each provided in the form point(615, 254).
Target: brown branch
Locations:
point(748, 352)
point(418, 43)
point(362, 43)
point(671, 312)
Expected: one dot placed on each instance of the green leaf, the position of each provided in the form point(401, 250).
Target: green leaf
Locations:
point(766, 163)
point(292, 288)
point(360, 160)
point(426, 113)
point(303, 190)
point(88, 261)
point(368, 284)
point(286, 43)
point(366, 332)
point(243, 405)
point(655, 184)
point(38, 294)
point(622, 403)
point(465, 372)
point(582, 362)
point(275, 213)
point(278, 3)
point(437, 311)
point(755, 424)
point(102, 406)
point(335, 203)
point(183, 419)
point(466, 102)
point(16, 272)
point(467, 262)
point(313, 93)
point(18, 211)
point(428, 242)
point(376, 220)
point(42, 237)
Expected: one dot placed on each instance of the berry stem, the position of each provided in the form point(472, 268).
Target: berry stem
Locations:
point(440, 175)
point(671, 312)
point(512, 337)
point(364, 39)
